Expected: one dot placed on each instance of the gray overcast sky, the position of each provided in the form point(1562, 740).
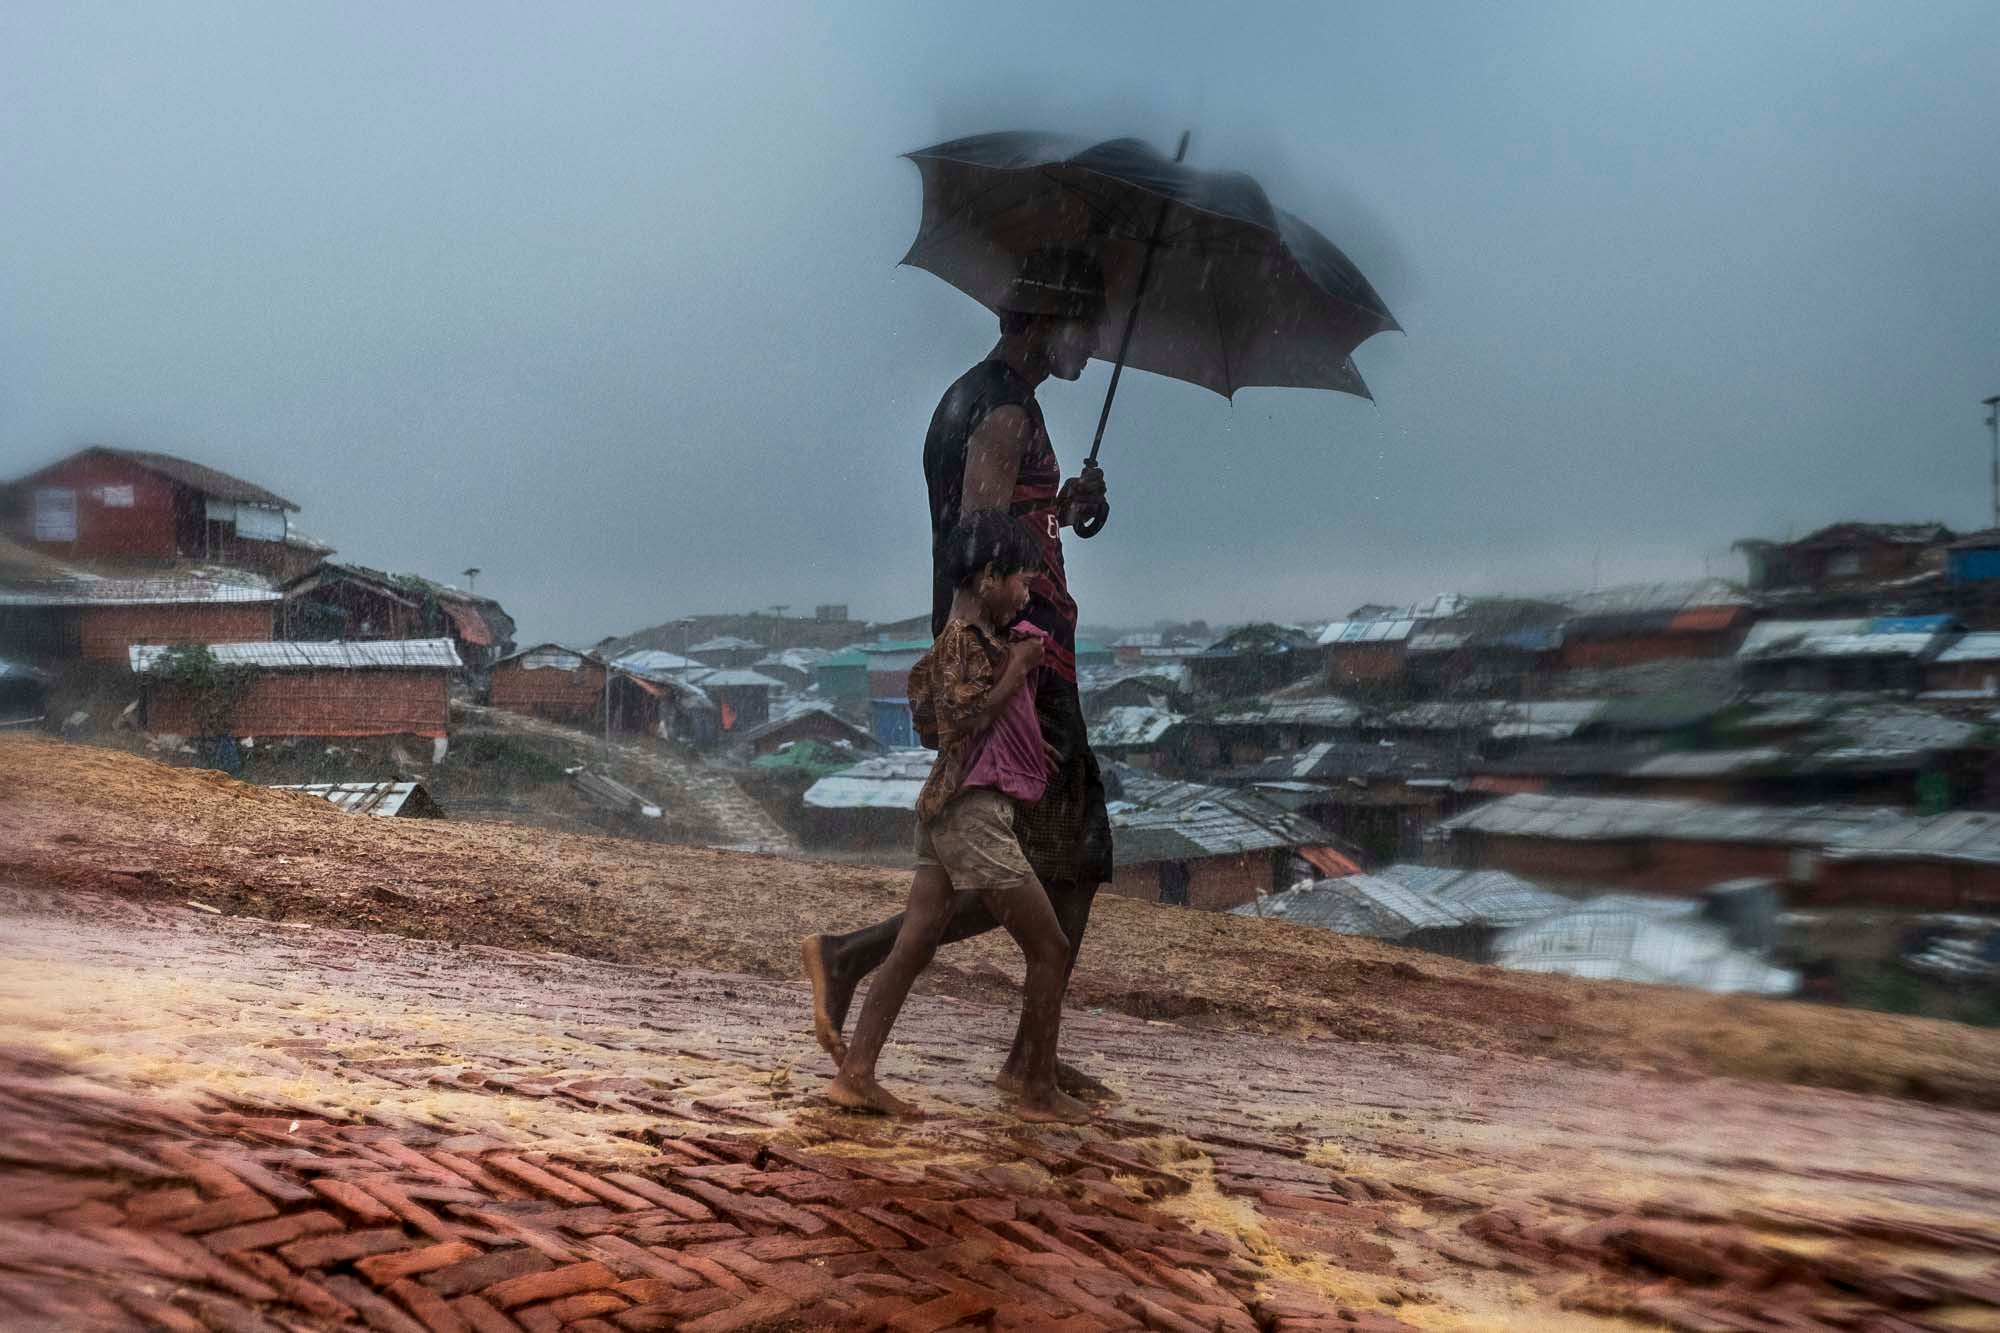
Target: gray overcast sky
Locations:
point(603, 299)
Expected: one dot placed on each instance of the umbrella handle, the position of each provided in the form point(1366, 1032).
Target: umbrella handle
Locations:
point(1089, 527)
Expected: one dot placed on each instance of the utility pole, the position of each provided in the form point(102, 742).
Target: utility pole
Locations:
point(1993, 424)
point(472, 579)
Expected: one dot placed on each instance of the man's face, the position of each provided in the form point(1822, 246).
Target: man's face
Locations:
point(1070, 342)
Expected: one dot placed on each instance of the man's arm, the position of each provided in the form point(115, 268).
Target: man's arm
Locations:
point(993, 459)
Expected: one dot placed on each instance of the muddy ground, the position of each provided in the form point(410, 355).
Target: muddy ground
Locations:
point(80, 818)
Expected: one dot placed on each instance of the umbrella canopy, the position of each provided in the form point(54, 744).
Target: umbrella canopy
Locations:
point(1239, 292)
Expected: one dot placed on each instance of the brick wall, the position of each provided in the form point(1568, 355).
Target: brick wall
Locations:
point(1655, 865)
point(107, 631)
point(1917, 885)
point(561, 696)
point(1633, 649)
point(1365, 661)
point(1960, 675)
point(319, 703)
point(1214, 885)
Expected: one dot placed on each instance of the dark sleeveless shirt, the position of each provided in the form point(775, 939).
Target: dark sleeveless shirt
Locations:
point(979, 391)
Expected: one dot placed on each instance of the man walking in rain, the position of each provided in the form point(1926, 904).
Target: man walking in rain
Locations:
point(988, 448)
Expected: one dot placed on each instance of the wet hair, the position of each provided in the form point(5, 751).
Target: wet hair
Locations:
point(1014, 323)
point(988, 537)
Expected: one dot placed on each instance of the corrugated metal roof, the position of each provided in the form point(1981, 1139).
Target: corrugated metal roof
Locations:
point(1325, 711)
point(1981, 647)
point(551, 657)
point(1597, 818)
point(362, 798)
point(798, 659)
point(787, 716)
point(1611, 940)
point(1501, 718)
point(1400, 900)
point(655, 662)
point(1441, 607)
point(1366, 631)
point(1776, 640)
point(365, 655)
point(1709, 763)
point(1639, 598)
point(1334, 761)
point(1220, 820)
point(726, 643)
point(889, 781)
point(1439, 640)
point(738, 680)
point(177, 590)
point(1134, 724)
point(1152, 844)
point(1964, 835)
point(1851, 832)
point(1889, 731)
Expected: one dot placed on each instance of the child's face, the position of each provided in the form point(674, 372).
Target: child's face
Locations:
point(1004, 596)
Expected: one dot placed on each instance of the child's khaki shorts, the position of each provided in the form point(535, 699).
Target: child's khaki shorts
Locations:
point(973, 839)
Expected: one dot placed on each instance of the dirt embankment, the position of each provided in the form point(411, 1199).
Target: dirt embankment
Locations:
point(91, 818)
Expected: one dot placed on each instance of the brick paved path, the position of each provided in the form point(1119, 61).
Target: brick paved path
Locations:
point(215, 1123)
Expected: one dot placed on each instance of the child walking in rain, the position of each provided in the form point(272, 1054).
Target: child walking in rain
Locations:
point(975, 689)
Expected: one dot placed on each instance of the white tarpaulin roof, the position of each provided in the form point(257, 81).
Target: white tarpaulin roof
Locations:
point(365, 655)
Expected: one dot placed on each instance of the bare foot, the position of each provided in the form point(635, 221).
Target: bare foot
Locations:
point(1052, 1107)
point(1068, 1077)
point(859, 1094)
point(830, 997)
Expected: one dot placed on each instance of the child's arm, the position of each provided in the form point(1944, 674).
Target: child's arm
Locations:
point(1022, 658)
point(970, 695)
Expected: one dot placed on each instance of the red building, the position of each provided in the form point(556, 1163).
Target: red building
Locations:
point(1654, 622)
point(383, 688)
point(129, 505)
point(550, 681)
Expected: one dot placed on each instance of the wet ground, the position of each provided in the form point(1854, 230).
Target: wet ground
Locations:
point(86, 819)
point(215, 1122)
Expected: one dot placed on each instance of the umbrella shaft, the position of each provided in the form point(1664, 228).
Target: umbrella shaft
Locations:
point(1132, 316)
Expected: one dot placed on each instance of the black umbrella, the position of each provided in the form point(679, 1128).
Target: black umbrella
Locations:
point(1206, 280)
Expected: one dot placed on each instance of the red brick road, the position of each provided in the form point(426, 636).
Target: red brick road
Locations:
point(217, 1123)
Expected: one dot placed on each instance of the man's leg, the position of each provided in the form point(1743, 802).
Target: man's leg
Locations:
point(1072, 903)
point(835, 964)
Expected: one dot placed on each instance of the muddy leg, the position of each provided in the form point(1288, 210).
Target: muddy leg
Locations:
point(835, 964)
point(1072, 904)
point(923, 925)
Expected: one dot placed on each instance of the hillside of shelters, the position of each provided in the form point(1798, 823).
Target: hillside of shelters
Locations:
point(1657, 739)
